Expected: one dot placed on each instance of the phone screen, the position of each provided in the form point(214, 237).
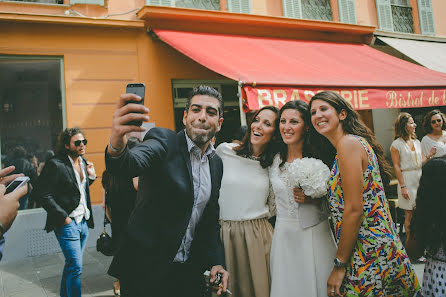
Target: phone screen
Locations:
point(138, 89)
point(13, 185)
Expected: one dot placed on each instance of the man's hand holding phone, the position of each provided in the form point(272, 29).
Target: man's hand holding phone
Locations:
point(127, 110)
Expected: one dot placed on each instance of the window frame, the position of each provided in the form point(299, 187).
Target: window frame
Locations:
point(62, 81)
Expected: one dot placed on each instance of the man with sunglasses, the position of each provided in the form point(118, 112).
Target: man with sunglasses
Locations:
point(63, 189)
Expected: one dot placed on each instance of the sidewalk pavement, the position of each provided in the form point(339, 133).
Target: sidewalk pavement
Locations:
point(40, 276)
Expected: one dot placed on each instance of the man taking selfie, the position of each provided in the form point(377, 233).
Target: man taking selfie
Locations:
point(63, 189)
point(173, 233)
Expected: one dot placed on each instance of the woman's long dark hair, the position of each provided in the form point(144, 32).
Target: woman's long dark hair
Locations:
point(352, 124)
point(429, 220)
point(427, 121)
point(311, 140)
point(245, 149)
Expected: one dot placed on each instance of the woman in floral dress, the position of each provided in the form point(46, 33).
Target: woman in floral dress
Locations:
point(370, 259)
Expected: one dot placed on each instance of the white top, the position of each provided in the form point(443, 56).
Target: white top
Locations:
point(245, 187)
point(306, 214)
point(427, 143)
point(81, 210)
point(409, 160)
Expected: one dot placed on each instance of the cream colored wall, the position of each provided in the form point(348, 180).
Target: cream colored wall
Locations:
point(439, 8)
point(366, 13)
point(124, 6)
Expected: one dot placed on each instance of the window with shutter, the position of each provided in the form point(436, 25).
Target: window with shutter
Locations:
point(347, 11)
point(292, 9)
point(384, 11)
point(97, 2)
point(240, 6)
point(161, 2)
point(196, 4)
point(40, 1)
point(426, 17)
point(316, 10)
point(402, 16)
point(199, 4)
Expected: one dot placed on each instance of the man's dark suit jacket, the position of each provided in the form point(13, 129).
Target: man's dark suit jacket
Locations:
point(58, 193)
point(163, 207)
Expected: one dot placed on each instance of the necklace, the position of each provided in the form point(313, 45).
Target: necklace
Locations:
point(252, 157)
point(413, 153)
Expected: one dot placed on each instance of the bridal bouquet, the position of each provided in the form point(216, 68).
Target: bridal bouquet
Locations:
point(311, 175)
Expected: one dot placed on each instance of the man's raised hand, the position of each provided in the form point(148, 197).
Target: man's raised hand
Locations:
point(123, 114)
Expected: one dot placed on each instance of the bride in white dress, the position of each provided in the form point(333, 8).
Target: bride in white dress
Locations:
point(303, 250)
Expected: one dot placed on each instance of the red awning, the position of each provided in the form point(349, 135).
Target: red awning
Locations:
point(274, 71)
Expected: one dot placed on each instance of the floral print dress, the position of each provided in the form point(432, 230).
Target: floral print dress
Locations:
point(379, 265)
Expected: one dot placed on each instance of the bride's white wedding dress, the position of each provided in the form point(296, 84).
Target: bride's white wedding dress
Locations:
point(303, 250)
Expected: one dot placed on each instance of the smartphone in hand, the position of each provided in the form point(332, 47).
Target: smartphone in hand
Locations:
point(138, 89)
point(17, 183)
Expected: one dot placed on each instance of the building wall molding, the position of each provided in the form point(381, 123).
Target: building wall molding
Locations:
point(409, 36)
point(169, 18)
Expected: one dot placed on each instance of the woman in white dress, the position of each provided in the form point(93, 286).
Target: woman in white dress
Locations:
point(303, 249)
point(407, 162)
point(246, 204)
point(434, 126)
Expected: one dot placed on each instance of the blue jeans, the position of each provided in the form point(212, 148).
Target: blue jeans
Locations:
point(2, 246)
point(72, 238)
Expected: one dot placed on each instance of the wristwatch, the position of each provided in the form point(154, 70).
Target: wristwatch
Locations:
point(339, 264)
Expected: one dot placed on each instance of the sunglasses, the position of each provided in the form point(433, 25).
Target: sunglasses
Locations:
point(436, 121)
point(78, 142)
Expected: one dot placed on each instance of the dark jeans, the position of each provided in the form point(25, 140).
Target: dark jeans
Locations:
point(72, 238)
point(182, 280)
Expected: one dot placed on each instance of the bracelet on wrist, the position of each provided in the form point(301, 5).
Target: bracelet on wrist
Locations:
point(113, 149)
point(339, 264)
point(403, 186)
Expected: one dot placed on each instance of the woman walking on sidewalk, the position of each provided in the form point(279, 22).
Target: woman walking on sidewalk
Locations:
point(407, 161)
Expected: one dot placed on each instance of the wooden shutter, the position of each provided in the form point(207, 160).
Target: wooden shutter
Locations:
point(347, 11)
point(292, 9)
point(426, 17)
point(161, 2)
point(240, 6)
point(384, 11)
point(97, 2)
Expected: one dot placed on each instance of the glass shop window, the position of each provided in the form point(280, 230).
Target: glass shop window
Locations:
point(31, 113)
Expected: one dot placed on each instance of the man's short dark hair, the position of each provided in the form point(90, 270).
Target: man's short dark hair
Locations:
point(209, 91)
point(64, 138)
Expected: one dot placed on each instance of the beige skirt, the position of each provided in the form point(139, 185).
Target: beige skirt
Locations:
point(247, 249)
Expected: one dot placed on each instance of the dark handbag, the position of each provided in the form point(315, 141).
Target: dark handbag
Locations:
point(104, 244)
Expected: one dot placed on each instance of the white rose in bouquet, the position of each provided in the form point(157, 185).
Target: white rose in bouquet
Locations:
point(311, 175)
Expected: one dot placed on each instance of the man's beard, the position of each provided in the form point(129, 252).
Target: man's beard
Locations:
point(200, 139)
point(74, 153)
